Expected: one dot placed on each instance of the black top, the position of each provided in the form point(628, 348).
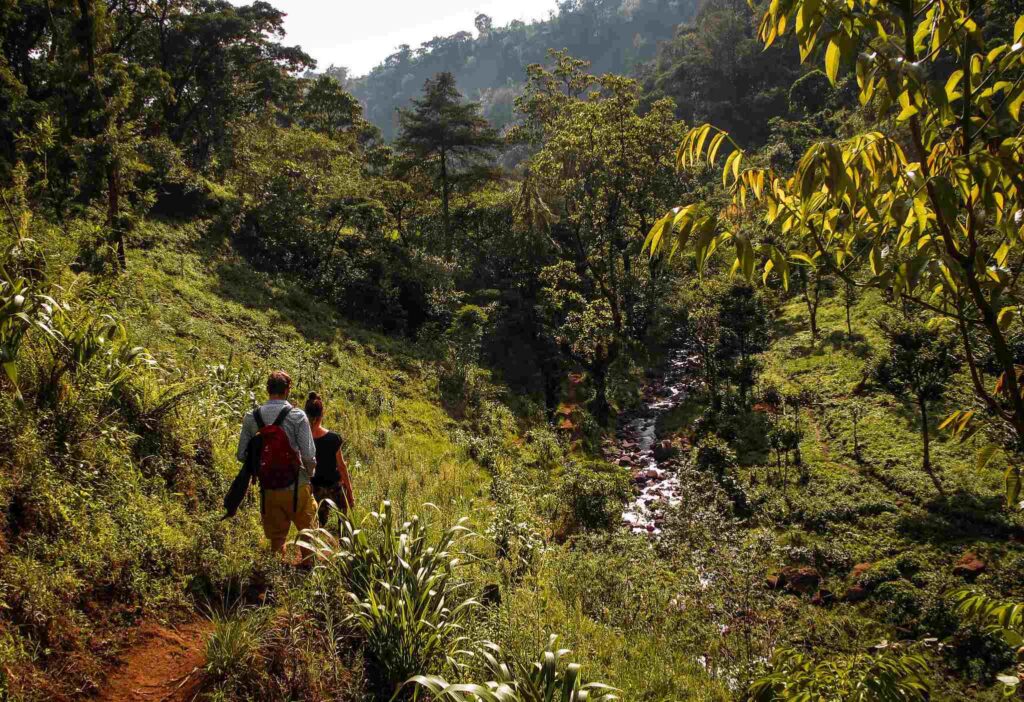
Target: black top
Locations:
point(327, 460)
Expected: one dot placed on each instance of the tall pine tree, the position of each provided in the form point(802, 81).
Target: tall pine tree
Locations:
point(450, 136)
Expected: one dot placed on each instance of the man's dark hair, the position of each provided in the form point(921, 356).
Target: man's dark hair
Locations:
point(279, 383)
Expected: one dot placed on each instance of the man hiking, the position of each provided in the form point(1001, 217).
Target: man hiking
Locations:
point(277, 443)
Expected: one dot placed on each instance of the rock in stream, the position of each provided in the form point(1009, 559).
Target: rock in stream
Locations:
point(637, 448)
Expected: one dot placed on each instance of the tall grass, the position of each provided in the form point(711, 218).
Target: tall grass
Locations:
point(546, 680)
point(400, 585)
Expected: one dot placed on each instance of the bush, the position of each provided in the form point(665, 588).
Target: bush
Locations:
point(518, 543)
point(714, 455)
point(234, 658)
point(512, 681)
point(903, 603)
point(400, 584)
point(882, 677)
point(591, 494)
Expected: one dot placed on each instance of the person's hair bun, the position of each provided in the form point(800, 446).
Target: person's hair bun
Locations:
point(314, 405)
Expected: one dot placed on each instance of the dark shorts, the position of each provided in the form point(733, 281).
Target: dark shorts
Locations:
point(335, 494)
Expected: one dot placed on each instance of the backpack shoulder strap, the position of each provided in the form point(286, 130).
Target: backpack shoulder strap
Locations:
point(259, 420)
point(283, 415)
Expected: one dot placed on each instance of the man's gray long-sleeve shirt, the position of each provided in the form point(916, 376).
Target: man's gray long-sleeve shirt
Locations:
point(296, 427)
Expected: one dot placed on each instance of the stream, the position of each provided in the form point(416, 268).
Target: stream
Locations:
point(637, 448)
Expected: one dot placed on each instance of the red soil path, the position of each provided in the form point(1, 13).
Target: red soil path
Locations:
point(161, 665)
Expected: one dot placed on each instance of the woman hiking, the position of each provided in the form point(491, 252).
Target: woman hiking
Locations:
point(331, 481)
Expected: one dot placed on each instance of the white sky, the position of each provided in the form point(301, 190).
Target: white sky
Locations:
point(359, 34)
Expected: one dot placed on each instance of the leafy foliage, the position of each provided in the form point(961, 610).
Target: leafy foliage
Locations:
point(920, 363)
point(490, 67)
point(904, 201)
point(402, 588)
point(545, 679)
point(869, 676)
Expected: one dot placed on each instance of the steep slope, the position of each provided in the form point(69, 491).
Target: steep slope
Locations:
point(110, 494)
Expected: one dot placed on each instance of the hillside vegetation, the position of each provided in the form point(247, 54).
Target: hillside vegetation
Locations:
point(675, 409)
point(490, 68)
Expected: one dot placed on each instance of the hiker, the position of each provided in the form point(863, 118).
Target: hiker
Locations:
point(331, 481)
point(286, 462)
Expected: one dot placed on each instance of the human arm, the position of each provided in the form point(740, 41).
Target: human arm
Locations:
point(304, 442)
point(346, 483)
point(248, 431)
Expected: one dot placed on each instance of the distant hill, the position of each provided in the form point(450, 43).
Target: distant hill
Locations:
point(616, 36)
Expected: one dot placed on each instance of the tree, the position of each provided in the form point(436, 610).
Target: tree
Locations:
point(329, 109)
point(919, 362)
point(450, 136)
point(483, 23)
point(598, 182)
point(743, 321)
point(930, 201)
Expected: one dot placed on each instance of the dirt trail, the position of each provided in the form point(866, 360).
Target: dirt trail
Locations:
point(159, 665)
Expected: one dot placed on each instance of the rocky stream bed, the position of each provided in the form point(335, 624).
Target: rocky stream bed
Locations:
point(651, 460)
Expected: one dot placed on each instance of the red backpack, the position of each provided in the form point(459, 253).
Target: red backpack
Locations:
point(279, 464)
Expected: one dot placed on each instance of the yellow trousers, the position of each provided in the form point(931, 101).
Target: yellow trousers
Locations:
point(280, 511)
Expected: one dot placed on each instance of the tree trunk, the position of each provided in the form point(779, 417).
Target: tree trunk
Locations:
point(444, 200)
point(927, 460)
point(599, 371)
point(114, 214)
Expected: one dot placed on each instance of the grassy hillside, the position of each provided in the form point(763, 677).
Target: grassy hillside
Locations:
point(121, 524)
point(112, 500)
point(112, 504)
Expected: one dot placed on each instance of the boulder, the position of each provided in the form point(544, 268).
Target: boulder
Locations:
point(823, 598)
point(969, 566)
point(664, 450)
point(801, 579)
point(859, 570)
point(856, 593)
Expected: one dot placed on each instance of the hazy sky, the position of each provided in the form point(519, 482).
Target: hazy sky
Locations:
point(359, 34)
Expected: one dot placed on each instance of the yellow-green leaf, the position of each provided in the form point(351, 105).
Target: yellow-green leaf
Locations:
point(1006, 317)
point(1015, 103)
point(951, 85)
point(1012, 482)
point(833, 54)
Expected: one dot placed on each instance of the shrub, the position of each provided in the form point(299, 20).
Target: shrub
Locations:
point(518, 543)
point(590, 495)
point(879, 677)
point(511, 681)
point(903, 603)
point(234, 659)
point(714, 455)
point(400, 583)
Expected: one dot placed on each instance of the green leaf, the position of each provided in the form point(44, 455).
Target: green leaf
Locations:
point(1006, 317)
point(984, 455)
point(951, 85)
point(1012, 483)
point(833, 55)
point(1015, 104)
point(876, 260)
point(11, 371)
point(653, 241)
point(801, 256)
point(1018, 29)
point(909, 110)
